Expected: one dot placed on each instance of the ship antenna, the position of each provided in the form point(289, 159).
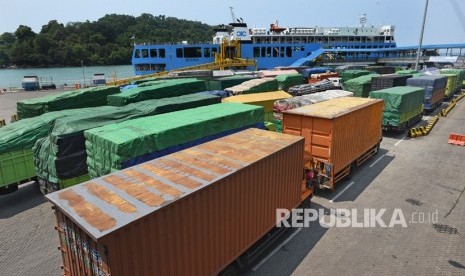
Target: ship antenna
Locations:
point(363, 19)
point(232, 14)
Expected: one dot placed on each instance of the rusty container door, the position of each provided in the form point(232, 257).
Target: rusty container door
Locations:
point(189, 213)
point(336, 132)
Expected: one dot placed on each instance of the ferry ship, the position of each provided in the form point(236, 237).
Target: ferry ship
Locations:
point(270, 48)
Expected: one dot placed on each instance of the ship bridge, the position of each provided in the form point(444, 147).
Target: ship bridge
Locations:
point(400, 56)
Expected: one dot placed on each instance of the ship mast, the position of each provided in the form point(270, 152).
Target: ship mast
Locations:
point(232, 14)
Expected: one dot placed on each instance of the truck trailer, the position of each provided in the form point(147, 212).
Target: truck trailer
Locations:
point(195, 212)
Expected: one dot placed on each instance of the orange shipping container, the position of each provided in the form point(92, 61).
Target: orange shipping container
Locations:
point(189, 213)
point(338, 133)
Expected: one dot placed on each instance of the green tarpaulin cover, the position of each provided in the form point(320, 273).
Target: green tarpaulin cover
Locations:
point(289, 80)
point(159, 89)
point(400, 103)
point(24, 133)
point(352, 74)
point(88, 97)
point(48, 149)
point(361, 86)
point(110, 145)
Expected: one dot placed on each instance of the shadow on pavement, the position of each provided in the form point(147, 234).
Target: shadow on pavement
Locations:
point(362, 177)
point(284, 259)
point(26, 197)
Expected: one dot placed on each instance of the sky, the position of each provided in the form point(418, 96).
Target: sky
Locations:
point(445, 21)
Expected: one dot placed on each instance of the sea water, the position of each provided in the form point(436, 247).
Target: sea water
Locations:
point(10, 79)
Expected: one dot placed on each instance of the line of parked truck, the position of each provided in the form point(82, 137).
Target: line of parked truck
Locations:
point(212, 163)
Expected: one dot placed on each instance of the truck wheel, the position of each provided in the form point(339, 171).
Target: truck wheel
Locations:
point(43, 186)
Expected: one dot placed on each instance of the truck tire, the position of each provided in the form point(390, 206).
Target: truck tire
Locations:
point(42, 186)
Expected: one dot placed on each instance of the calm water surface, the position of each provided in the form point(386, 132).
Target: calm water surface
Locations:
point(11, 78)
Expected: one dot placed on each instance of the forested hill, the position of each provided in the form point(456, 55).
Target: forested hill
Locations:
point(107, 41)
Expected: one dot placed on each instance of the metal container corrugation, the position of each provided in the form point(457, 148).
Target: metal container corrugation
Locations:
point(337, 132)
point(189, 213)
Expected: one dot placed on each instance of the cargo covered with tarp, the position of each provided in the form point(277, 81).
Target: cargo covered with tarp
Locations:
point(87, 97)
point(62, 154)
point(388, 81)
point(159, 89)
point(227, 82)
point(254, 86)
point(291, 103)
point(266, 100)
point(286, 81)
point(408, 72)
point(352, 74)
point(24, 133)
point(435, 88)
point(451, 86)
point(308, 72)
point(382, 70)
point(361, 86)
point(310, 88)
point(116, 146)
point(401, 104)
point(460, 76)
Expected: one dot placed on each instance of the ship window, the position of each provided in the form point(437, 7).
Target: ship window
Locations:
point(179, 52)
point(214, 50)
point(275, 52)
point(206, 52)
point(302, 48)
point(153, 53)
point(137, 54)
point(288, 52)
point(161, 53)
point(256, 52)
point(268, 51)
point(263, 51)
point(192, 52)
point(145, 53)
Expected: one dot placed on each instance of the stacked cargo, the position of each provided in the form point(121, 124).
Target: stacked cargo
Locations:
point(388, 81)
point(403, 106)
point(60, 158)
point(308, 72)
point(180, 214)
point(305, 89)
point(323, 76)
point(288, 104)
point(227, 82)
point(125, 144)
point(352, 74)
point(414, 73)
point(451, 86)
point(339, 134)
point(435, 89)
point(16, 142)
point(288, 80)
point(88, 97)
point(275, 73)
point(361, 86)
point(382, 70)
point(266, 100)
point(254, 86)
point(460, 76)
point(159, 89)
